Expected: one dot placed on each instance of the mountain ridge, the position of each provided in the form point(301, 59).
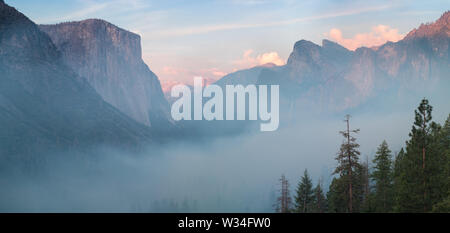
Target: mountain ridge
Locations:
point(333, 79)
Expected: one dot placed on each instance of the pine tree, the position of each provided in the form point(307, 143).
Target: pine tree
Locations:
point(408, 194)
point(348, 165)
point(398, 177)
point(435, 172)
point(368, 204)
point(444, 148)
point(383, 178)
point(305, 194)
point(336, 196)
point(419, 171)
point(319, 204)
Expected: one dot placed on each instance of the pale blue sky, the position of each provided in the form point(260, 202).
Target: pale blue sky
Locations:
point(181, 39)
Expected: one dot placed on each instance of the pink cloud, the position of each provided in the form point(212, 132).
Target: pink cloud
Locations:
point(219, 73)
point(249, 60)
point(167, 70)
point(209, 75)
point(377, 36)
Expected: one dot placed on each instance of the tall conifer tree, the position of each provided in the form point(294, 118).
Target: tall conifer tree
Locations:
point(319, 204)
point(383, 178)
point(305, 195)
point(418, 173)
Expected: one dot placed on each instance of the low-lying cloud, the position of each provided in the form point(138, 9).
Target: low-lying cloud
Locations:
point(238, 174)
point(379, 35)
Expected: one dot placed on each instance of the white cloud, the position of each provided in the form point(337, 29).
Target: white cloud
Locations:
point(249, 60)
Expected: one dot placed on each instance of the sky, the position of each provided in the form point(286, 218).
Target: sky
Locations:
point(183, 39)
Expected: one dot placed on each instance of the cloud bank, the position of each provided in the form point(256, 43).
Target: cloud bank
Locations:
point(379, 35)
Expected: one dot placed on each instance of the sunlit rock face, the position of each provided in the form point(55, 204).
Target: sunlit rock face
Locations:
point(110, 59)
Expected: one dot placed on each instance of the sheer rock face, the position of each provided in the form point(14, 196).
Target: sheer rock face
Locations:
point(110, 59)
point(44, 104)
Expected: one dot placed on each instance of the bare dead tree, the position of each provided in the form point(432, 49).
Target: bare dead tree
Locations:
point(284, 201)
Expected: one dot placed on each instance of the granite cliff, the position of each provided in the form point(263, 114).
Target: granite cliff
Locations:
point(110, 59)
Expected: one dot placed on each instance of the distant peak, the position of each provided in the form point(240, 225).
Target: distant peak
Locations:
point(303, 43)
point(327, 44)
point(305, 47)
point(439, 27)
point(268, 65)
point(445, 16)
